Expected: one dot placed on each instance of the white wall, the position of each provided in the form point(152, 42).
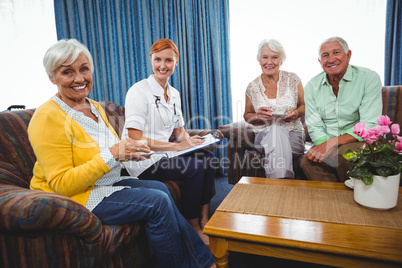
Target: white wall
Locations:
point(27, 30)
point(301, 26)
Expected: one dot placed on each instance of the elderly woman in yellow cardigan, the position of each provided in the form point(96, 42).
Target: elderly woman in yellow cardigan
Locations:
point(78, 155)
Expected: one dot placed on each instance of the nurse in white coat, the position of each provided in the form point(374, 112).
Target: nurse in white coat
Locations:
point(153, 113)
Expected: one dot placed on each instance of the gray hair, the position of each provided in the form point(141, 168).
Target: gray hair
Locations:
point(338, 39)
point(63, 50)
point(273, 45)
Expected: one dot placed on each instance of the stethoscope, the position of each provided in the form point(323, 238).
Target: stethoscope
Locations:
point(175, 117)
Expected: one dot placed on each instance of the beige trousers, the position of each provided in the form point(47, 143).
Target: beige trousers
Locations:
point(333, 168)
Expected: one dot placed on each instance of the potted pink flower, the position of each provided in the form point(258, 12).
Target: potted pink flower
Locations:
point(378, 164)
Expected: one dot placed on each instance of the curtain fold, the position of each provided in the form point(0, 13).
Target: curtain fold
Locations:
point(120, 33)
point(393, 32)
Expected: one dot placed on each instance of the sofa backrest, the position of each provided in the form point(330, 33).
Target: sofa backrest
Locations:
point(16, 155)
point(115, 115)
point(392, 103)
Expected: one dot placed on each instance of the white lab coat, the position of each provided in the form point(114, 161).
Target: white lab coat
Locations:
point(142, 113)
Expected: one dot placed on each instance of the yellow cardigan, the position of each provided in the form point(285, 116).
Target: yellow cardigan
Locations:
point(68, 159)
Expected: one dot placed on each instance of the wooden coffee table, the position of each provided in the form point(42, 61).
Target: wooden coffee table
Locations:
point(334, 244)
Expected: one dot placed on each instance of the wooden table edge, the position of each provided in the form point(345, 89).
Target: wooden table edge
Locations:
point(305, 245)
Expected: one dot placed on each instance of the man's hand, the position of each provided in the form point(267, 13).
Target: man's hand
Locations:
point(319, 152)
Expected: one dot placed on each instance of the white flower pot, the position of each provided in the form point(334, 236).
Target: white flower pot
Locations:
point(382, 194)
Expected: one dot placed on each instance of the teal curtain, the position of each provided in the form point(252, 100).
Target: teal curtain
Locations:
point(119, 35)
point(393, 32)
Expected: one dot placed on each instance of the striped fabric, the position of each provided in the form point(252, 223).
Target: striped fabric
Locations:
point(16, 154)
point(392, 103)
point(244, 160)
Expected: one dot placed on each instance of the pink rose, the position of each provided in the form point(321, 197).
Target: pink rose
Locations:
point(359, 128)
point(385, 130)
point(399, 145)
point(395, 129)
point(380, 130)
point(370, 136)
point(384, 120)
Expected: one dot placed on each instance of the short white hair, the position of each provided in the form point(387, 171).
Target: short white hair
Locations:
point(338, 39)
point(273, 45)
point(63, 50)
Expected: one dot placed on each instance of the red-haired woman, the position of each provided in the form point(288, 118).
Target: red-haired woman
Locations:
point(153, 113)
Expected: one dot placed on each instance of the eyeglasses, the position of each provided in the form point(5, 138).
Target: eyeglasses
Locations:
point(175, 117)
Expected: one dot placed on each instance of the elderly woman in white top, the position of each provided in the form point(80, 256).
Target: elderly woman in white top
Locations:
point(274, 104)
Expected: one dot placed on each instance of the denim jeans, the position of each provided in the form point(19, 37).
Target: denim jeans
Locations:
point(173, 240)
point(197, 174)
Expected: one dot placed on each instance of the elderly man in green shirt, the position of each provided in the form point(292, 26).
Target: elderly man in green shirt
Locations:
point(336, 100)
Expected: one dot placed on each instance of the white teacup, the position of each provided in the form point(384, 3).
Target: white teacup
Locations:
point(279, 109)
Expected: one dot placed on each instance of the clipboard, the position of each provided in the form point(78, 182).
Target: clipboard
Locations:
point(209, 140)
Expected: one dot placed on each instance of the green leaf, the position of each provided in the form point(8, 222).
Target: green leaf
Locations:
point(361, 173)
point(384, 161)
point(397, 168)
point(366, 159)
point(381, 148)
point(384, 171)
point(366, 150)
point(368, 180)
point(351, 156)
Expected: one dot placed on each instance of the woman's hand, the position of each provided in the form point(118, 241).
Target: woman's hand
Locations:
point(128, 150)
point(264, 113)
point(189, 142)
point(291, 115)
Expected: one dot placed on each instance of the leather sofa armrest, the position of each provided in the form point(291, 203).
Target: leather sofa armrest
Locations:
point(240, 137)
point(239, 134)
point(30, 212)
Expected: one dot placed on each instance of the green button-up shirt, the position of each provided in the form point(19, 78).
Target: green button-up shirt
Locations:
point(359, 100)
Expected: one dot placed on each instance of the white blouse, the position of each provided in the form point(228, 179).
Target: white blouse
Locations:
point(287, 94)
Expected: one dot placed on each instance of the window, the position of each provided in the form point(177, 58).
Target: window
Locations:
point(301, 26)
point(27, 30)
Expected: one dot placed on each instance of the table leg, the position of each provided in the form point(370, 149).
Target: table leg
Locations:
point(218, 247)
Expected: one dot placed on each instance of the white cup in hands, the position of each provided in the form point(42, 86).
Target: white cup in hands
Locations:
point(129, 149)
point(142, 153)
point(279, 110)
point(264, 113)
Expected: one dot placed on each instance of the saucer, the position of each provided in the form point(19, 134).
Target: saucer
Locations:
point(349, 183)
point(279, 115)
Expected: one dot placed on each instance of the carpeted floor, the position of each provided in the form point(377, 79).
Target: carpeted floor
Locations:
point(242, 260)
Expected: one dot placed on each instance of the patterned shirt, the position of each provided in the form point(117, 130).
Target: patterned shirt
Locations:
point(286, 94)
point(105, 139)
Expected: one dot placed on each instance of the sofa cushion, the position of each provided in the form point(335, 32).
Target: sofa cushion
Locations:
point(115, 115)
